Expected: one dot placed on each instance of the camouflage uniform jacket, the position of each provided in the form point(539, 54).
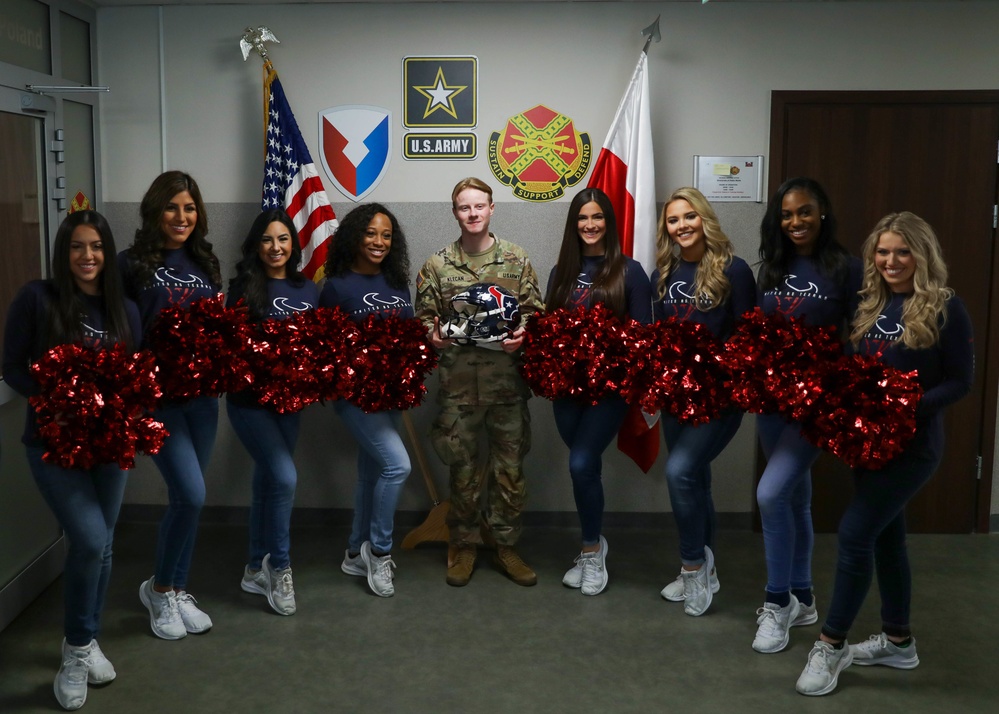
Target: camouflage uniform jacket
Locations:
point(473, 376)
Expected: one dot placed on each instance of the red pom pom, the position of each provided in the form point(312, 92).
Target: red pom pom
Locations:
point(768, 357)
point(201, 349)
point(585, 354)
point(93, 406)
point(865, 410)
point(391, 361)
point(680, 373)
point(337, 337)
point(283, 362)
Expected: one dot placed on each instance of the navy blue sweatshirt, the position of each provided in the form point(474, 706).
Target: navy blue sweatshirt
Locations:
point(362, 295)
point(679, 301)
point(179, 281)
point(637, 292)
point(24, 338)
point(805, 291)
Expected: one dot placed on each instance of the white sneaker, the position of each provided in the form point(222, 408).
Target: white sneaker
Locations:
point(878, 649)
point(774, 621)
point(254, 582)
point(696, 588)
point(195, 620)
point(70, 685)
point(164, 615)
point(807, 614)
point(674, 591)
point(280, 588)
point(821, 672)
point(594, 570)
point(378, 570)
point(573, 577)
point(101, 670)
point(353, 565)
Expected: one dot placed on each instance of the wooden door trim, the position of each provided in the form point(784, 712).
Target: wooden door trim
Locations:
point(780, 101)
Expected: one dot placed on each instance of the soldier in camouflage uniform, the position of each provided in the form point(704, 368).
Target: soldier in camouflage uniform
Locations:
point(481, 391)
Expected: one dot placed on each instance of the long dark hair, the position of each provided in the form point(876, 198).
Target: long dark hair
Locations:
point(147, 248)
point(251, 277)
point(63, 323)
point(608, 283)
point(347, 243)
point(776, 249)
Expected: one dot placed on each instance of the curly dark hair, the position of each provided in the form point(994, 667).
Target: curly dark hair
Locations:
point(146, 252)
point(608, 283)
point(349, 236)
point(776, 249)
point(251, 277)
point(63, 323)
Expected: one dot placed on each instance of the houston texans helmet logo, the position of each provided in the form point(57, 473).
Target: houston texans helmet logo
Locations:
point(483, 315)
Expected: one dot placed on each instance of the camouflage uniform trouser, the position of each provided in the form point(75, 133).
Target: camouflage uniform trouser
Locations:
point(455, 437)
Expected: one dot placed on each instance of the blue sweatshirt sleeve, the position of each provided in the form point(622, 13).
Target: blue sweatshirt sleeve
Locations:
point(25, 317)
point(958, 361)
point(743, 295)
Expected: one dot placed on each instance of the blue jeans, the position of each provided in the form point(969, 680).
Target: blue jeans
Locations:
point(688, 475)
point(382, 468)
point(86, 504)
point(270, 439)
point(588, 431)
point(182, 462)
point(872, 538)
point(784, 495)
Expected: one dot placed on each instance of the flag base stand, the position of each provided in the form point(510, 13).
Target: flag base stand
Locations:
point(433, 529)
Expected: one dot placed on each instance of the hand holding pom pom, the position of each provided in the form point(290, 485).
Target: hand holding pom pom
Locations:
point(201, 349)
point(93, 406)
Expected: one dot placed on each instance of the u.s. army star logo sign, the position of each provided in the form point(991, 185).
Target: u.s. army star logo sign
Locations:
point(539, 154)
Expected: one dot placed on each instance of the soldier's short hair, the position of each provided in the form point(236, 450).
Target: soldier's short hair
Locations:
point(470, 182)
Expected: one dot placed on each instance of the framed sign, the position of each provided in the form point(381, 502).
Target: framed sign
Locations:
point(729, 178)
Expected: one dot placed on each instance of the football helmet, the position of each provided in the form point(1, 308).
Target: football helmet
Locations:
point(483, 314)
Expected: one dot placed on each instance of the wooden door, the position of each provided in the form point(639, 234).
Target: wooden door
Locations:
point(935, 154)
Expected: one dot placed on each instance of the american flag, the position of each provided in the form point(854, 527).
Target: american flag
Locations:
point(292, 182)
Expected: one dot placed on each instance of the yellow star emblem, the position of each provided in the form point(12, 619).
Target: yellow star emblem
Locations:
point(440, 95)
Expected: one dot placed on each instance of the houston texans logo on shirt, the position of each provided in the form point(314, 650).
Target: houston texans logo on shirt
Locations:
point(92, 337)
point(885, 332)
point(286, 306)
point(678, 301)
point(794, 293)
point(581, 294)
point(180, 286)
point(388, 305)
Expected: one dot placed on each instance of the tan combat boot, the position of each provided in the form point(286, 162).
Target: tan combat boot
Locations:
point(509, 563)
point(459, 572)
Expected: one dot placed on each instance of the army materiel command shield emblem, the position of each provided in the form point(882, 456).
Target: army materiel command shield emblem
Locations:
point(539, 154)
point(354, 144)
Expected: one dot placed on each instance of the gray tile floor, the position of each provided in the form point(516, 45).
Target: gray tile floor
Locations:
point(496, 647)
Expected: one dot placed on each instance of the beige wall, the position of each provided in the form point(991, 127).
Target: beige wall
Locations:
point(711, 79)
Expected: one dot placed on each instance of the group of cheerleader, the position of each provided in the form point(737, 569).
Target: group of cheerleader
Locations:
point(894, 303)
point(100, 297)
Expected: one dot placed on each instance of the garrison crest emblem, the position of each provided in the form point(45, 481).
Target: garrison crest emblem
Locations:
point(539, 154)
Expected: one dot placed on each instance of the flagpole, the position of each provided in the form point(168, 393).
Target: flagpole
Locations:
point(651, 33)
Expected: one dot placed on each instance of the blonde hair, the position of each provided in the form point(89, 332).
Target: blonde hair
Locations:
point(711, 286)
point(926, 310)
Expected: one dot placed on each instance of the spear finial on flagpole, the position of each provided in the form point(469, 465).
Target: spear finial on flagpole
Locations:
point(254, 40)
point(651, 33)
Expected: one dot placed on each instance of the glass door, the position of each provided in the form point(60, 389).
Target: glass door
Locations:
point(29, 534)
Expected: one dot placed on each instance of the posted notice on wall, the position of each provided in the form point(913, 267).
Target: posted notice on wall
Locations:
point(729, 178)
